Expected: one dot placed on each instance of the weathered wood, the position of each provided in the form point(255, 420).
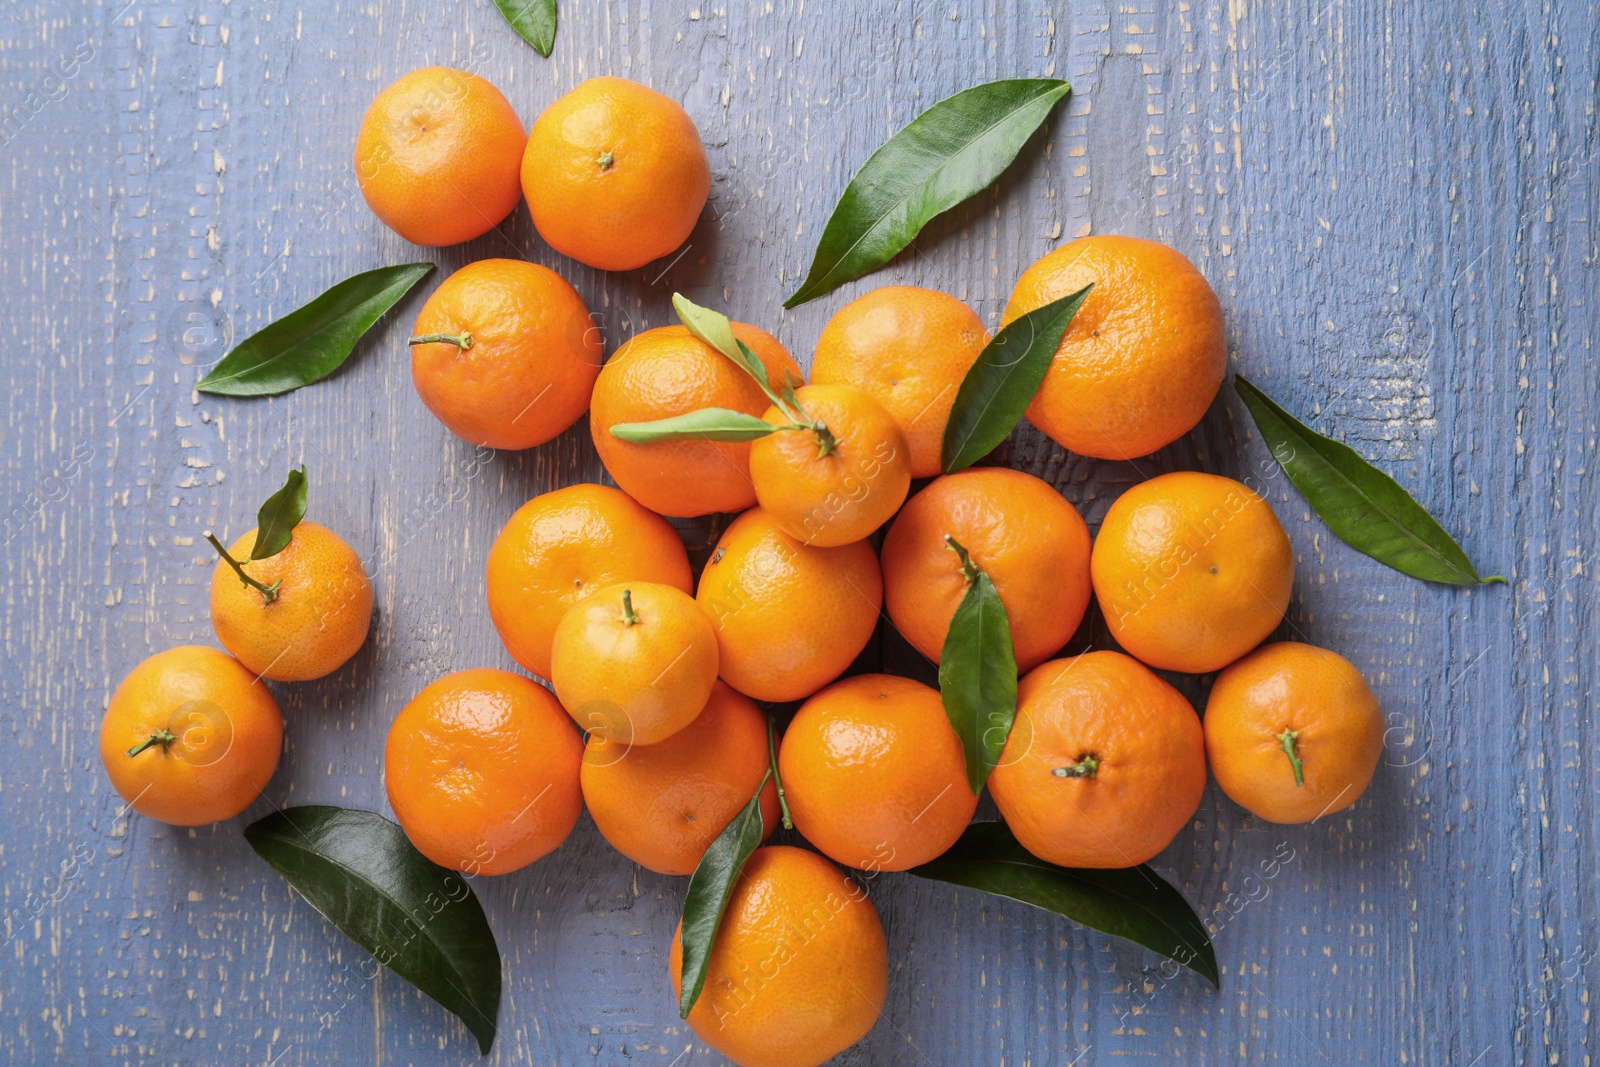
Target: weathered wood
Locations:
point(1396, 201)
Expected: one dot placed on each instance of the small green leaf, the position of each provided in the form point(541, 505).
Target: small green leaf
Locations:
point(999, 387)
point(1133, 903)
point(707, 424)
point(1366, 508)
point(278, 517)
point(954, 149)
point(710, 888)
point(714, 329)
point(358, 870)
point(978, 678)
point(534, 21)
point(312, 341)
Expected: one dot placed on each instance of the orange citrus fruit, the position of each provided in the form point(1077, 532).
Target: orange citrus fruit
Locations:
point(1018, 530)
point(838, 480)
point(662, 805)
point(1192, 571)
point(190, 737)
point(1292, 732)
point(505, 354)
point(634, 662)
point(316, 617)
point(438, 156)
point(1142, 359)
point(910, 348)
point(799, 967)
point(666, 372)
point(615, 174)
point(481, 769)
point(874, 774)
point(1105, 763)
point(790, 617)
point(563, 545)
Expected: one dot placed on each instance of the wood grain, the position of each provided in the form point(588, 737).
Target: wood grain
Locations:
point(1397, 202)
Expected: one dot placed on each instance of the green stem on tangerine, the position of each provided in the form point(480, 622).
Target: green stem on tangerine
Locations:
point(162, 737)
point(1287, 740)
point(462, 341)
point(605, 160)
point(969, 569)
point(826, 442)
point(629, 617)
point(1084, 768)
point(772, 769)
point(269, 593)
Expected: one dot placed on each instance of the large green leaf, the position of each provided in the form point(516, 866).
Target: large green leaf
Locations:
point(1133, 903)
point(416, 918)
point(277, 518)
point(999, 386)
point(949, 152)
point(978, 678)
point(710, 888)
point(534, 21)
point(312, 341)
point(1364, 507)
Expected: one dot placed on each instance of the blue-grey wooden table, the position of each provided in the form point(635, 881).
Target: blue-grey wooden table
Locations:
point(1397, 203)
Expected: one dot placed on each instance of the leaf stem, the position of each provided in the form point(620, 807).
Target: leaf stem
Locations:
point(629, 617)
point(269, 593)
point(1085, 767)
point(162, 737)
point(772, 769)
point(969, 569)
point(1287, 740)
point(826, 442)
point(461, 340)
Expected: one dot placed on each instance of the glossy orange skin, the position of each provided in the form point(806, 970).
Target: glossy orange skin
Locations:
point(534, 356)
point(662, 805)
point(438, 156)
point(790, 617)
point(615, 174)
point(1142, 359)
point(1151, 753)
point(227, 736)
point(320, 617)
point(1025, 536)
point(1192, 571)
point(563, 545)
point(665, 372)
point(910, 348)
point(874, 773)
point(481, 769)
point(640, 682)
point(799, 969)
point(834, 499)
point(1316, 693)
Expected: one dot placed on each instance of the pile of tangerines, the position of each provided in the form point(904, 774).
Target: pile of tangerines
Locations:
point(591, 589)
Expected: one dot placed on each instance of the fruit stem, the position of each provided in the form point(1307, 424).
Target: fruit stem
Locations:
point(629, 617)
point(462, 341)
point(772, 768)
point(826, 442)
point(969, 569)
point(1287, 740)
point(605, 161)
point(1084, 768)
point(162, 737)
point(269, 593)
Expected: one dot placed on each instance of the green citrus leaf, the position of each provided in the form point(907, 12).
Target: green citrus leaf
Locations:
point(278, 517)
point(534, 21)
point(710, 887)
point(707, 424)
point(1133, 903)
point(999, 387)
point(954, 149)
point(1364, 507)
point(714, 329)
point(416, 918)
point(978, 678)
point(312, 341)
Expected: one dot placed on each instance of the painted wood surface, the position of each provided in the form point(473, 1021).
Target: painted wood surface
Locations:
point(1397, 202)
